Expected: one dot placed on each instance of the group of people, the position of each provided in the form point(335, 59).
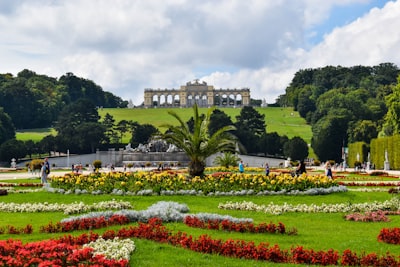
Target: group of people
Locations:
point(300, 169)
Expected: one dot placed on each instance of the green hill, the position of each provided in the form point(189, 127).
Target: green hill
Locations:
point(284, 121)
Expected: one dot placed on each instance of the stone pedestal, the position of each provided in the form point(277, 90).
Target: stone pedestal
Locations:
point(386, 166)
point(368, 167)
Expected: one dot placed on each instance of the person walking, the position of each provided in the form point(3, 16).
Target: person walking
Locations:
point(328, 170)
point(241, 166)
point(266, 169)
point(43, 174)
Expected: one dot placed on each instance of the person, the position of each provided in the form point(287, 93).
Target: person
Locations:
point(266, 169)
point(328, 170)
point(43, 174)
point(301, 168)
point(241, 166)
point(47, 165)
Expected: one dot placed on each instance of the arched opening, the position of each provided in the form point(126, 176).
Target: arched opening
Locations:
point(155, 101)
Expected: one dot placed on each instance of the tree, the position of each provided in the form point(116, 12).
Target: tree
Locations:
point(391, 123)
point(123, 126)
point(226, 159)
point(7, 130)
point(364, 130)
point(31, 147)
point(78, 127)
point(250, 127)
point(199, 144)
point(218, 119)
point(329, 134)
point(12, 148)
point(142, 133)
point(296, 148)
point(252, 120)
point(47, 144)
point(109, 124)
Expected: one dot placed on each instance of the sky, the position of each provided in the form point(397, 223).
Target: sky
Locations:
point(126, 46)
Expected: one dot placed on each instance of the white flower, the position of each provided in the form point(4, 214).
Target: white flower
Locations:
point(116, 248)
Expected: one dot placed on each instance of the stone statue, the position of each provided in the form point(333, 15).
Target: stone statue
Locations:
point(128, 148)
point(172, 148)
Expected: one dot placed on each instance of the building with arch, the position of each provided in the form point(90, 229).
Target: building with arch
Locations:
point(196, 92)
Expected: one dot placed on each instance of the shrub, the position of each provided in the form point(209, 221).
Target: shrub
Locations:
point(226, 159)
point(35, 164)
point(97, 164)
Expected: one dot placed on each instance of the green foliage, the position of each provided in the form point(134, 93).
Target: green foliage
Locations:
point(250, 127)
point(34, 101)
point(7, 130)
point(328, 138)
point(198, 144)
point(97, 164)
point(226, 160)
point(354, 94)
point(142, 133)
point(296, 148)
point(391, 124)
point(79, 128)
point(358, 148)
point(12, 148)
point(35, 164)
point(379, 146)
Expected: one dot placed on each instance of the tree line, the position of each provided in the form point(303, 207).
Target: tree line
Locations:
point(35, 101)
point(344, 105)
point(80, 130)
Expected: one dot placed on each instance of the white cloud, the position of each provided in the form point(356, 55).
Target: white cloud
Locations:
point(126, 46)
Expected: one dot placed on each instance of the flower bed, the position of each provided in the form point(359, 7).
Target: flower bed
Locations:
point(227, 225)
point(392, 204)
point(156, 183)
point(17, 254)
point(67, 251)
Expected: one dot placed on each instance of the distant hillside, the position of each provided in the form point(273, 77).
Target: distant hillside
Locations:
point(284, 121)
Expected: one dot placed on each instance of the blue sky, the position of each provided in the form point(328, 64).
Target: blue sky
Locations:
point(341, 15)
point(126, 46)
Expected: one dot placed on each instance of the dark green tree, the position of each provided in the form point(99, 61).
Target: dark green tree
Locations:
point(48, 144)
point(296, 148)
point(250, 126)
point(109, 125)
point(74, 125)
point(249, 118)
point(142, 133)
point(31, 148)
point(122, 127)
point(218, 120)
point(7, 130)
point(363, 130)
point(271, 144)
point(12, 148)
point(329, 135)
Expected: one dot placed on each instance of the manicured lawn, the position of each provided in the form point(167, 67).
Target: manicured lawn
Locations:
point(284, 121)
point(318, 231)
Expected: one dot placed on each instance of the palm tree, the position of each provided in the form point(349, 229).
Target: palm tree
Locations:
point(226, 159)
point(198, 144)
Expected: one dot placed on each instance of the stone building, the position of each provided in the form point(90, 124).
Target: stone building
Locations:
point(196, 92)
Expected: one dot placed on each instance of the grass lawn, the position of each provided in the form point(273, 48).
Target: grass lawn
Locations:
point(284, 121)
point(318, 231)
